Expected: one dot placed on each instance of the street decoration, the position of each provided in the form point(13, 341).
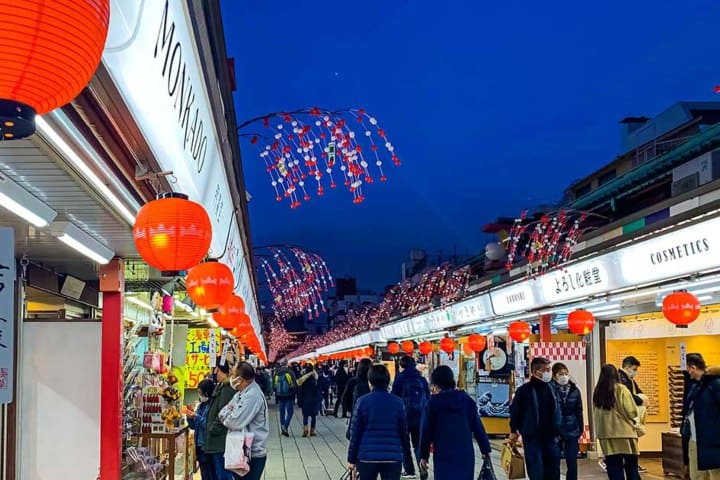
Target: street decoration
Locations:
point(681, 308)
point(232, 315)
point(393, 348)
point(310, 149)
point(447, 345)
point(581, 322)
point(519, 331)
point(477, 342)
point(425, 348)
point(210, 284)
point(408, 347)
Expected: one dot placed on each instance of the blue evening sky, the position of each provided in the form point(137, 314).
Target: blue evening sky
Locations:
point(492, 106)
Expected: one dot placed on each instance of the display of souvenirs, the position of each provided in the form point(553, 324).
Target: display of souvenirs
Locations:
point(157, 318)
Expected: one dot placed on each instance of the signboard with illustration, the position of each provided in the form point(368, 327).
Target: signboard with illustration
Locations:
point(493, 397)
point(198, 357)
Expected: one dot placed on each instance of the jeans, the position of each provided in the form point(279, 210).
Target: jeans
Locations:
point(313, 421)
point(569, 448)
point(220, 472)
point(257, 467)
point(542, 458)
point(387, 471)
point(414, 431)
point(622, 467)
point(286, 412)
point(207, 467)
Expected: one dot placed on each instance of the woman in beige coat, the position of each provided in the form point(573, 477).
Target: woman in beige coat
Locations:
point(616, 426)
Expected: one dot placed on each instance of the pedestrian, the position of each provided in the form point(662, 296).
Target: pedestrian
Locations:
point(216, 431)
point(197, 421)
point(414, 391)
point(616, 425)
point(309, 394)
point(285, 387)
point(534, 414)
point(325, 381)
point(700, 428)
point(449, 423)
point(379, 442)
point(248, 412)
point(571, 416)
point(628, 374)
point(341, 379)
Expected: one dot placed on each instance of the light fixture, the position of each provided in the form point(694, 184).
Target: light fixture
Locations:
point(80, 241)
point(605, 313)
point(705, 298)
point(19, 201)
point(139, 303)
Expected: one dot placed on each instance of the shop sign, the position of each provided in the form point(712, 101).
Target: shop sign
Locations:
point(472, 310)
point(514, 298)
point(692, 249)
point(153, 60)
point(397, 330)
point(198, 354)
point(7, 313)
point(577, 280)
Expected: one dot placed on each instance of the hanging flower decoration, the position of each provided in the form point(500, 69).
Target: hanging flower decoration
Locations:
point(681, 308)
point(310, 149)
point(278, 339)
point(297, 280)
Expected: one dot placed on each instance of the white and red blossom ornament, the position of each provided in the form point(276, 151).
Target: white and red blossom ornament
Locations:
point(311, 149)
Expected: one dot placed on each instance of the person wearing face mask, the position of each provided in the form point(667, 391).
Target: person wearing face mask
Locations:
point(197, 421)
point(627, 375)
point(535, 415)
point(571, 416)
point(216, 431)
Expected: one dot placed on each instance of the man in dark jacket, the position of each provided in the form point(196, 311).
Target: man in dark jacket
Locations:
point(216, 431)
point(414, 391)
point(627, 375)
point(341, 379)
point(534, 414)
point(700, 428)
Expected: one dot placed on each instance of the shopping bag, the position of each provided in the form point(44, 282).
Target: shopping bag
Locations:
point(487, 472)
point(512, 462)
point(238, 444)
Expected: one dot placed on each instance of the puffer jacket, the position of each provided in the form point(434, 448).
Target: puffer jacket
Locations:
point(571, 410)
point(705, 399)
point(379, 430)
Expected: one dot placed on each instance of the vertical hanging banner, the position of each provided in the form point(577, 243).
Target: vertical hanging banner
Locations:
point(213, 349)
point(7, 313)
point(226, 348)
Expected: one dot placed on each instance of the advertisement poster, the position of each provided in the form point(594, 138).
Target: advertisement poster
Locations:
point(493, 398)
point(198, 355)
point(495, 360)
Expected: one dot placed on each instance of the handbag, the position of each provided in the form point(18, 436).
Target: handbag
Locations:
point(238, 445)
point(487, 472)
point(349, 475)
point(512, 462)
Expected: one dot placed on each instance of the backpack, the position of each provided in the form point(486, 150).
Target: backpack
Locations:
point(284, 384)
point(415, 398)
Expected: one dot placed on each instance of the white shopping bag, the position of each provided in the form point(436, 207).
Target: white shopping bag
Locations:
point(238, 445)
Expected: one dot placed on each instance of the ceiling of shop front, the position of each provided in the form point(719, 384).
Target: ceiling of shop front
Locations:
point(40, 171)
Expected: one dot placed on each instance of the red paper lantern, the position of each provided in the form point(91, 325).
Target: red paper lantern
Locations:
point(519, 331)
point(447, 345)
point(369, 351)
point(210, 284)
point(681, 308)
point(51, 49)
point(393, 348)
point(231, 314)
point(172, 233)
point(581, 322)
point(425, 348)
point(477, 342)
point(408, 347)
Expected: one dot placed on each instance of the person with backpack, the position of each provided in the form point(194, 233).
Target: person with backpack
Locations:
point(285, 387)
point(414, 391)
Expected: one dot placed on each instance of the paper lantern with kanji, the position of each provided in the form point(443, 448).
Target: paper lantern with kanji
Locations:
point(231, 314)
point(210, 284)
point(172, 233)
point(393, 348)
point(519, 331)
point(408, 347)
point(581, 322)
point(425, 348)
point(681, 308)
point(50, 51)
point(447, 345)
point(477, 342)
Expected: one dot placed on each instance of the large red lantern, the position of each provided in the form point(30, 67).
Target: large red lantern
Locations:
point(50, 51)
point(681, 308)
point(477, 342)
point(393, 348)
point(231, 314)
point(210, 284)
point(447, 345)
point(467, 349)
point(408, 347)
point(172, 233)
point(425, 348)
point(369, 351)
point(519, 331)
point(581, 322)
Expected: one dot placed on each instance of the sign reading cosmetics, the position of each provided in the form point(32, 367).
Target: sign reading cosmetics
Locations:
point(512, 299)
point(689, 250)
point(578, 280)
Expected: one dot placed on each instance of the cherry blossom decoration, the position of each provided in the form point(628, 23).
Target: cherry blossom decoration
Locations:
point(308, 150)
point(297, 280)
point(278, 339)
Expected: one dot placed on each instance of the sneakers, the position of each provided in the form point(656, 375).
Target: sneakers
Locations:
point(642, 469)
point(408, 475)
point(284, 432)
point(602, 465)
point(424, 474)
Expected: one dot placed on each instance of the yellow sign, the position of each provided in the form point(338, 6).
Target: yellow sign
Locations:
point(197, 358)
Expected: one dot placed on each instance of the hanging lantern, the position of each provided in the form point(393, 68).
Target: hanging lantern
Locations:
point(50, 52)
point(425, 348)
point(393, 348)
point(210, 284)
point(172, 233)
point(477, 342)
point(447, 345)
point(467, 349)
point(519, 331)
point(581, 322)
point(231, 314)
point(369, 351)
point(681, 308)
point(408, 347)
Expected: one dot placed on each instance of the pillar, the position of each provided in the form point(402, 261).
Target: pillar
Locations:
point(546, 328)
point(112, 285)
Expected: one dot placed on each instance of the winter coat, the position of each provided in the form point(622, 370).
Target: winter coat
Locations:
point(524, 416)
point(450, 423)
point(632, 386)
point(341, 379)
point(309, 394)
point(571, 410)
point(198, 422)
point(248, 411)
point(216, 431)
point(379, 430)
point(618, 421)
point(704, 397)
point(401, 380)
